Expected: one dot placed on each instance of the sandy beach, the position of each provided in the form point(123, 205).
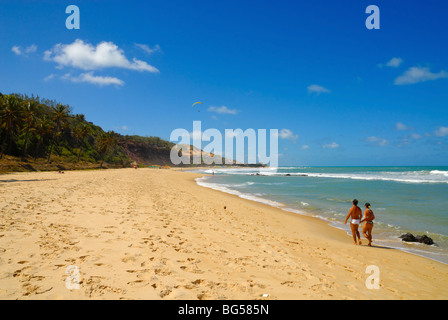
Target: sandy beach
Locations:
point(156, 234)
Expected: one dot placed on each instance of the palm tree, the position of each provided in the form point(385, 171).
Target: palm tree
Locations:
point(80, 132)
point(44, 127)
point(104, 143)
point(2, 106)
point(29, 118)
point(60, 116)
point(80, 118)
point(9, 121)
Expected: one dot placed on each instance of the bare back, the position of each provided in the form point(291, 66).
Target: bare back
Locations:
point(369, 216)
point(355, 212)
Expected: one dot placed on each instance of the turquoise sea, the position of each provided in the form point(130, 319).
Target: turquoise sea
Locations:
point(404, 199)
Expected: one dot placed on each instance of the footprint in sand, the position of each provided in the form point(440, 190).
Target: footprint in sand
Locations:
point(138, 283)
point(99, 264)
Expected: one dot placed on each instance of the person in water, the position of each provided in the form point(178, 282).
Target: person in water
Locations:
point(368, 219)
point(356, 214)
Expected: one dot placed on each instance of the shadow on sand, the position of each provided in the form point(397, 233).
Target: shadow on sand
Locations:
point(377, 247)
point(29, 180)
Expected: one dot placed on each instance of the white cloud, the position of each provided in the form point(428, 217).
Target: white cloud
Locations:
point(305, 147)
point(89, 77)
point(378, 141)
point(401, 127)
point(148, 49)
point(314, 88)
point(394, 62)
point(222, 110)
point(125, 128)
point(441, 132)
point(88, 57)
point(332, 145)
point(49, 77)
point(287, 134)
point(416, 136)
point(16, 50)
point(419, 74)
point(31, 49)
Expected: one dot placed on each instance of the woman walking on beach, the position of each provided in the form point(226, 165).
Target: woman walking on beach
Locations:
point(368, 219)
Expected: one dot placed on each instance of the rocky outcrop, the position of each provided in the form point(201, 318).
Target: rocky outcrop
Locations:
point(144, 153)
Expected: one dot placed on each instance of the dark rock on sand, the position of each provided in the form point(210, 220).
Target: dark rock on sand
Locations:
point(409, 237)
point(424, 239)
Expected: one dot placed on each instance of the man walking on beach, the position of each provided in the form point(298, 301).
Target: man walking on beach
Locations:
point(356, 214)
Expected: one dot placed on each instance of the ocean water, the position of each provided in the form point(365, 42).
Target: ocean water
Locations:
point(404, 199)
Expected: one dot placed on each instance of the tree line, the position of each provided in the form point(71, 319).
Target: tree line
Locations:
point(42, 128)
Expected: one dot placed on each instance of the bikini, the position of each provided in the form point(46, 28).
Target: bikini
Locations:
point(370, 222)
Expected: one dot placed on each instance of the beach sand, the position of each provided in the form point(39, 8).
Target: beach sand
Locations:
point(156, 234)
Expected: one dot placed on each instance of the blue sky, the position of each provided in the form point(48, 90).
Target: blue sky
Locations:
point(339, 94)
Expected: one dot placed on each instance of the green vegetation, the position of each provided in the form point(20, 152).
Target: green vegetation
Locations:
point(34, 129)
point(154, 142)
